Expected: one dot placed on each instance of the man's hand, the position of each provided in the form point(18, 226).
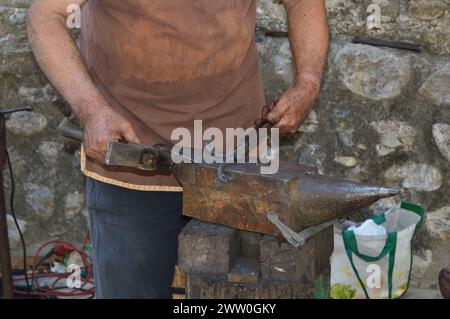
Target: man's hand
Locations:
point(53, 47)
point(293, 108)
point(100, 128)
point(308, 35)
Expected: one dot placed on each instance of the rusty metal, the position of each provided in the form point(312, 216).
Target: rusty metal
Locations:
point(297, 193)
point(297, 239)
point(389, 44)
point(5, 251)
point(261, 33)
point(70, 130)
point(263, 122)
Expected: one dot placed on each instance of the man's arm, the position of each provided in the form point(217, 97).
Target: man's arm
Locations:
point(308, 34)
point(60, 60)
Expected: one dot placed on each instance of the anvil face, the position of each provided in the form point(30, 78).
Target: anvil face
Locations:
point(299, 196)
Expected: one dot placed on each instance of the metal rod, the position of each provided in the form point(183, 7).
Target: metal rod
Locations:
point(5, 253)
point(20, 109)
point(383, 43)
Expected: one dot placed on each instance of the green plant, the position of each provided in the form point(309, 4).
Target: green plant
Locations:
point(339, 291)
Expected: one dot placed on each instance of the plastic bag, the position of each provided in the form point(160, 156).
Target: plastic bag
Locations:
point(375, 266)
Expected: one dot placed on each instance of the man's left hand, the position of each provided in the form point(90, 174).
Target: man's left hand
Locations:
point(293, 108)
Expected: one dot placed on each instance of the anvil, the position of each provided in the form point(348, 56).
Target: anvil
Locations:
point(297, 193)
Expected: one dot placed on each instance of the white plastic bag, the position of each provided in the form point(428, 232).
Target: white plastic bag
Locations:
point(375, 266)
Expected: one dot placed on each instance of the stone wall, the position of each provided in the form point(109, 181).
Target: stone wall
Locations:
point(383, 117)
point(49, 199)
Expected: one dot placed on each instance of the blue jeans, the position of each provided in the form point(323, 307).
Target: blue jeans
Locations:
point(134, 238)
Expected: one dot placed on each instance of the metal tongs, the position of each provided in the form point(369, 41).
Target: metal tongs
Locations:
point(297, 239)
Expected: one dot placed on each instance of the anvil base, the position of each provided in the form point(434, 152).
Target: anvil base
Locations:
point(222, 262)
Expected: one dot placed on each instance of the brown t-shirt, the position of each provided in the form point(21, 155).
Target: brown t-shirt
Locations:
point(170, 63)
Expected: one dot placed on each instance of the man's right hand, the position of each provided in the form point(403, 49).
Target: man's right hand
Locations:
point(100, 128)
point(53, 47)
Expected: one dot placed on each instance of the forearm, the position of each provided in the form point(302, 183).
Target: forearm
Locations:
point(60, 60)
point(308, 34)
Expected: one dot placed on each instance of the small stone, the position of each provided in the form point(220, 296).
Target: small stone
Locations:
point(395, 173)
point(18, 17)
point(73, 204)
point(438, 223)
point(311, 124)
point(436, 88)
point(423, 178)
point(421, 264)
point(441, 134)
point(76, 159)
point(44, 94)
point(271, 14)
point(85, 214)
point(394, 135)
point(13, 232)
point(40, 199)
point(371, 72)
point(50, 150)
point(353, 174)
point(313, 154)
point(345, 134)
point(427, 9)
point(26, 123)
point(347, 161)
point(361, 147)
point(390, 10)
point(418, 177)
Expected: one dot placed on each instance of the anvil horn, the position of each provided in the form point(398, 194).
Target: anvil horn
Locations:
point(328, 198)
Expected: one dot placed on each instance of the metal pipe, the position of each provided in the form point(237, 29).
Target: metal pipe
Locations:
point(5, 253)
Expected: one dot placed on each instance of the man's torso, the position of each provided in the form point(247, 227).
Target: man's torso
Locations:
point(170, 63)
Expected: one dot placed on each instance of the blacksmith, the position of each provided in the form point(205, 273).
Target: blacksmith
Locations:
point(144, 68)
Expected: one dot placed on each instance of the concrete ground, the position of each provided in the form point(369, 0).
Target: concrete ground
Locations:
point(420, 293)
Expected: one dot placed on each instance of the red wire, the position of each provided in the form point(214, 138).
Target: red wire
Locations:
point(87, 260)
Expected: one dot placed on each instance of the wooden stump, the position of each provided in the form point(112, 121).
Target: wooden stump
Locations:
point(281, 261)
point(221, 262)
point(203, 287)
point(207, 249)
